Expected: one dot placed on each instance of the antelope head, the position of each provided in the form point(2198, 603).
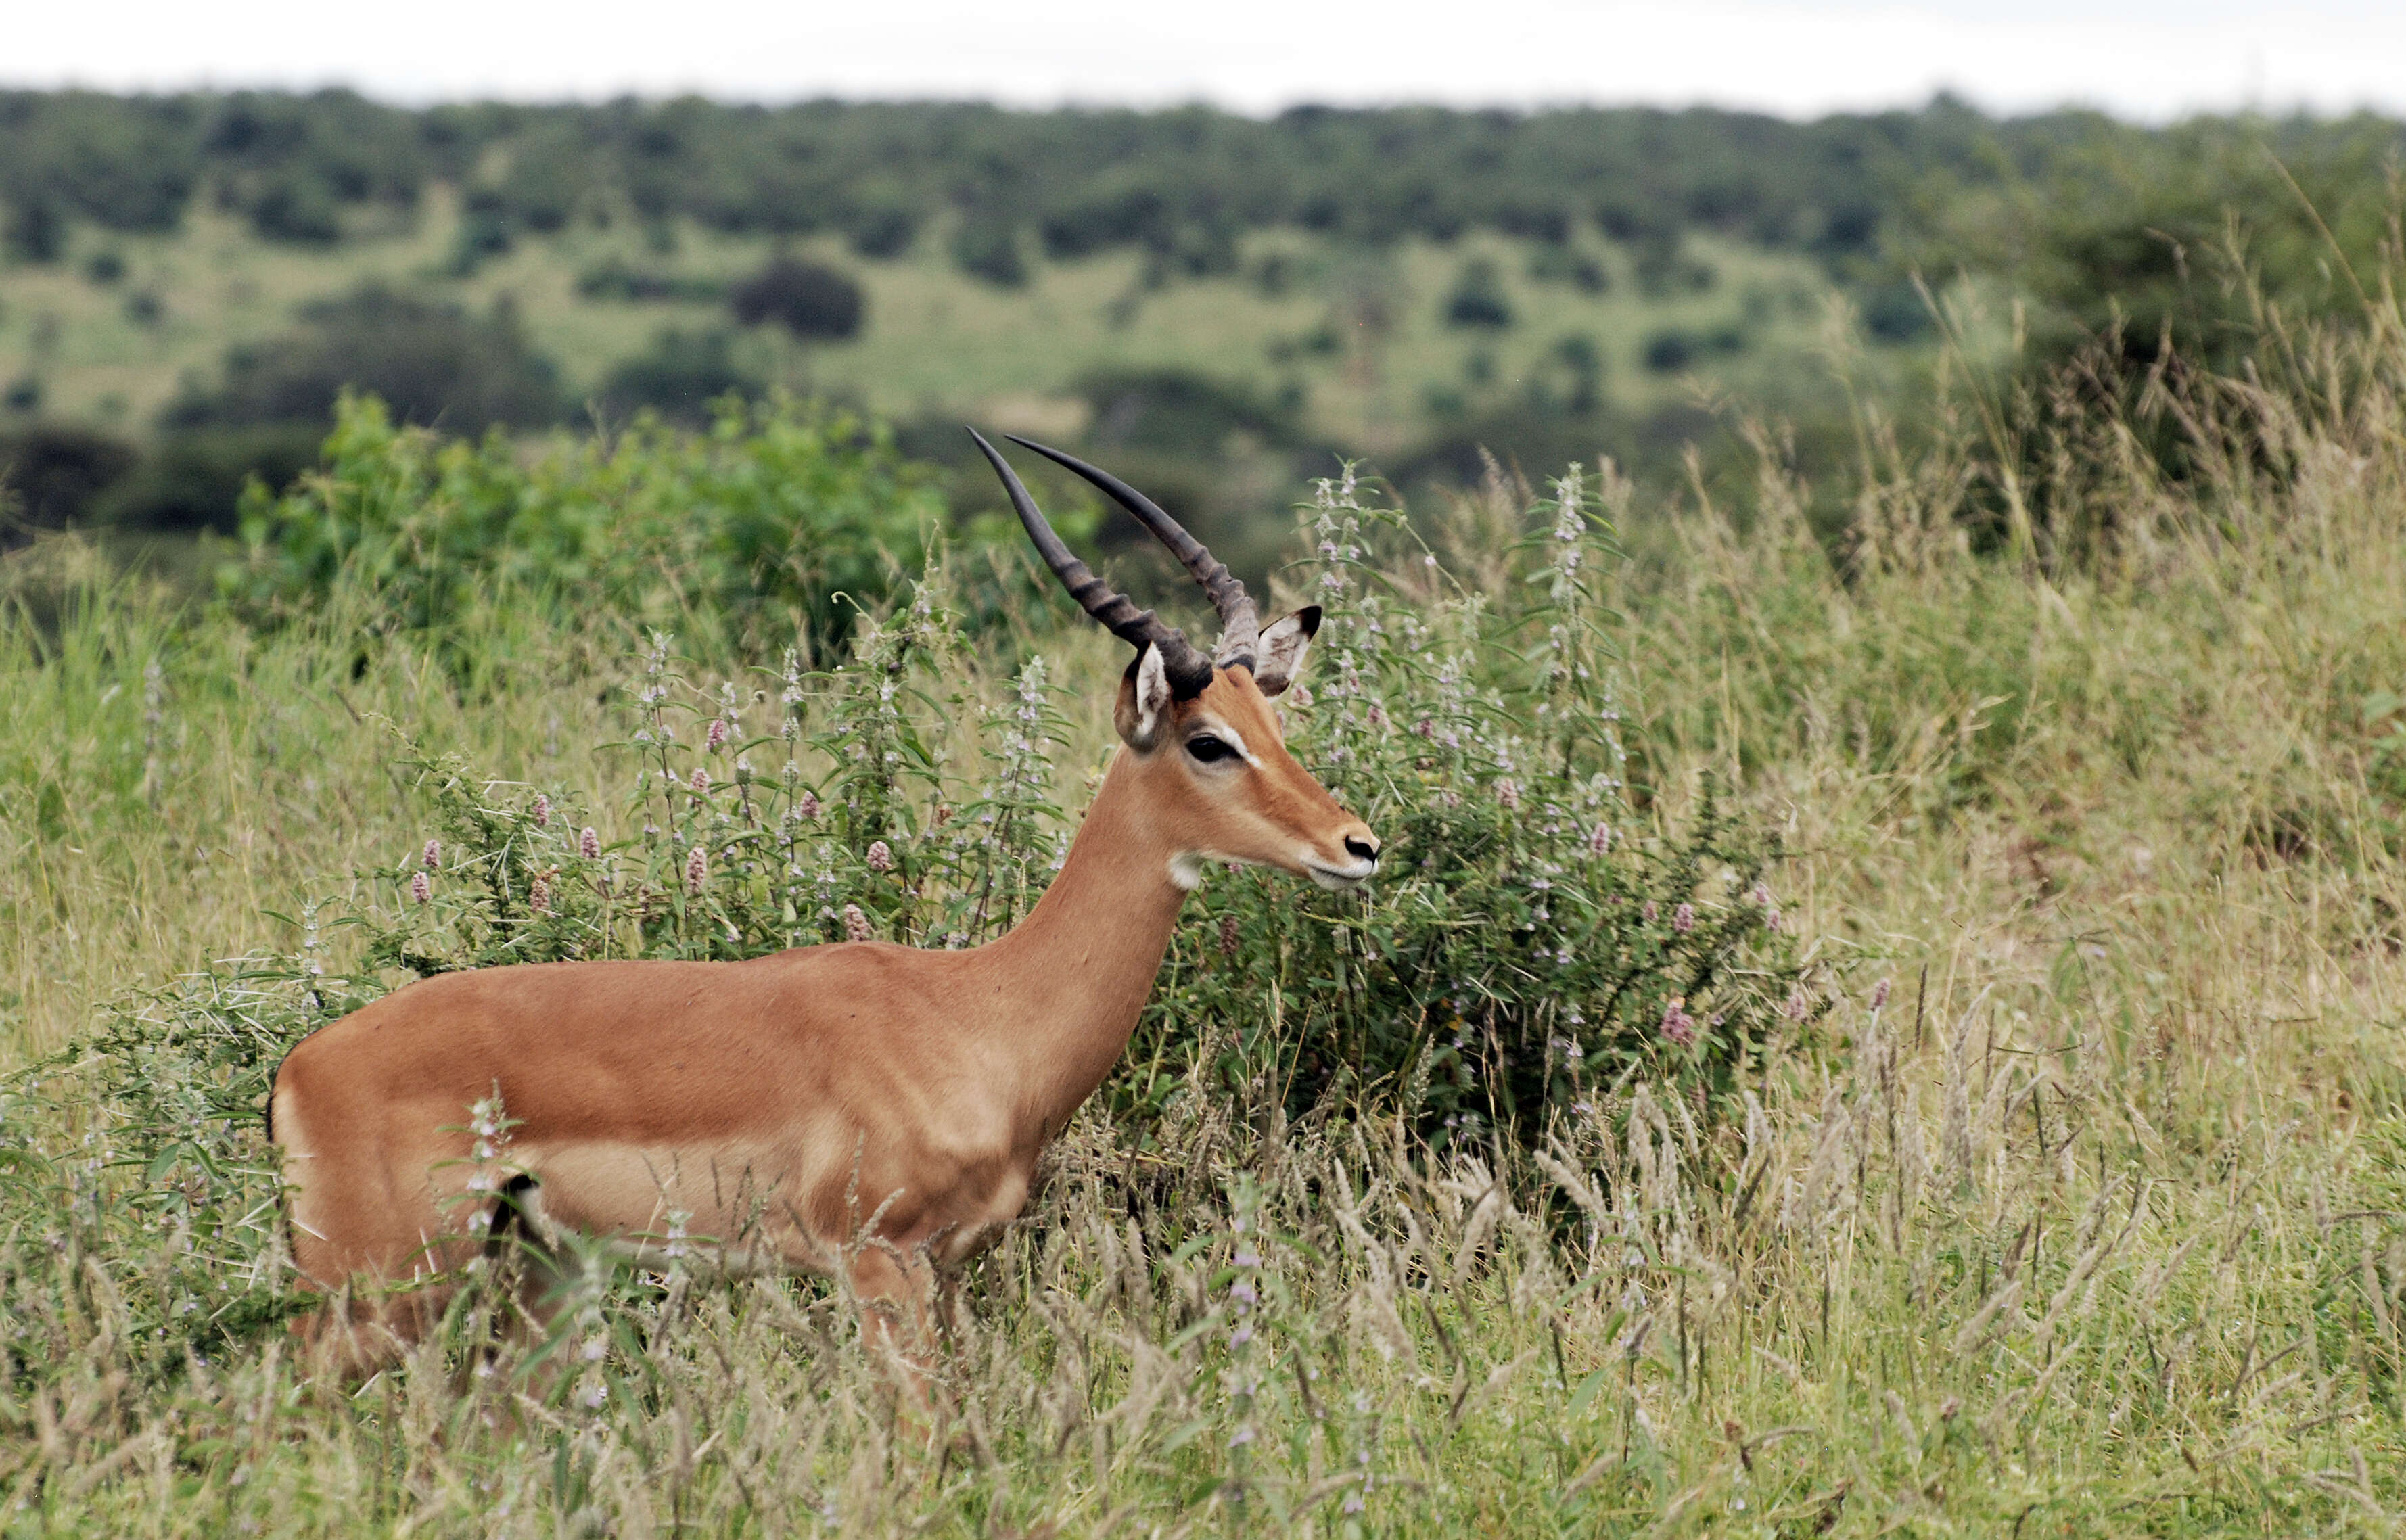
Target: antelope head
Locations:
point(1201, 735)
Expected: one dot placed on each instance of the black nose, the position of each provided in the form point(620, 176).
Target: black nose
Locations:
point(1366, 849)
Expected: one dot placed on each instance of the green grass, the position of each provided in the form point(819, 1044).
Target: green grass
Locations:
point(2096, 1227)
point(937, 341)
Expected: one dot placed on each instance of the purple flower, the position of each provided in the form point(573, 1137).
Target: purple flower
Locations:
point(589, 844)
point(421, 891)
point(881, 855)
point(434, 856)
point(700, 785)
point(808, 808)
point(1879, 993)
point(1507, 794)
point(1798, 1007)
point(539, 895)
point(715, 738)
point(1601, 840)
point(1678, 1025)
point(1651, 910)
point(1683, 919)
point(855, 923)
point(542, 810)
point(697, 869)
point(1762, 894)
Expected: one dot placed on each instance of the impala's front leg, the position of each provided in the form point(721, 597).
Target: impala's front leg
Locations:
point(894, 1292)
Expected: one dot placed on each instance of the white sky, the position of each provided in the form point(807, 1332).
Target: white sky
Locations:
point(2149, 59)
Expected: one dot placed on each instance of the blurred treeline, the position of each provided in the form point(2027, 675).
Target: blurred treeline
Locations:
point(2066, 226)
point(1182, 185)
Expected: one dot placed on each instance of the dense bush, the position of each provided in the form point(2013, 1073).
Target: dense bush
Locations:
point(778, 512)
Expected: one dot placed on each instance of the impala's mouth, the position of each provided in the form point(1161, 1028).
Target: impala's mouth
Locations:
point(1341, 879)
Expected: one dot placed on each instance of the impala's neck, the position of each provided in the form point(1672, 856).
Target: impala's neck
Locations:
point(1081, 964)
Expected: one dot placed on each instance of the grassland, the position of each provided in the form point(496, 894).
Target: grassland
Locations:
point(1360, 332)
point(2086, 1216)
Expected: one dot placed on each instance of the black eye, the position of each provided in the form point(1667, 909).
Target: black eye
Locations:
point(1207, 748)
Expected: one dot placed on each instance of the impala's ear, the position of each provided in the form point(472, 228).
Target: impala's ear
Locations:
point(1281, 648)
point(1144, 700)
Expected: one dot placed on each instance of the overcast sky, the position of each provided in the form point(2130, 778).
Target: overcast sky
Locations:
point(2149, 59)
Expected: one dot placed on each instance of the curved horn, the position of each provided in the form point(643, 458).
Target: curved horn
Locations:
point(1189, 671)
point(1241, 626)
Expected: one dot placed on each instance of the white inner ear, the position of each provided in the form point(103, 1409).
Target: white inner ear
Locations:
point(1152, 696)
point(1282, 647)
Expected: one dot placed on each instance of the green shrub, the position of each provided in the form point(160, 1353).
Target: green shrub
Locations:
point(779, 512)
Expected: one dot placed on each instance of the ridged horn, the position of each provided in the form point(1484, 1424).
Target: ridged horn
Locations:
point(1188, 670)
point(1240, 624)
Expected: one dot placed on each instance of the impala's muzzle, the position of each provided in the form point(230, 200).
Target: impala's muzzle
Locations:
point(1361, 847)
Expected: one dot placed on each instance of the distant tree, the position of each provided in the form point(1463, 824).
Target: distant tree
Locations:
point(431, 362)
point(989, 250)
point(678, 378)
point(195, 480)
point(1478, 300)
point(36, 230)
point(882, 232)
point(485, 233)
point(298, 209)
point(814, 301)
point(1676, 348)
point(614, 279)
point(1665, 266)
point(1582, 362)
point(1896, 313)
point(49, 475)
point(1568, 265)
point(1176, 410)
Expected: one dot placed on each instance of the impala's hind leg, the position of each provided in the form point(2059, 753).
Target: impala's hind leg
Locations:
point(373, 1241)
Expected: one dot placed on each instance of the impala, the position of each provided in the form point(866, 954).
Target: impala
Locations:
point(862, 1109)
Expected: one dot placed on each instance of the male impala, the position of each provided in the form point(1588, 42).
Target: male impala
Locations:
point(862, 1108)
